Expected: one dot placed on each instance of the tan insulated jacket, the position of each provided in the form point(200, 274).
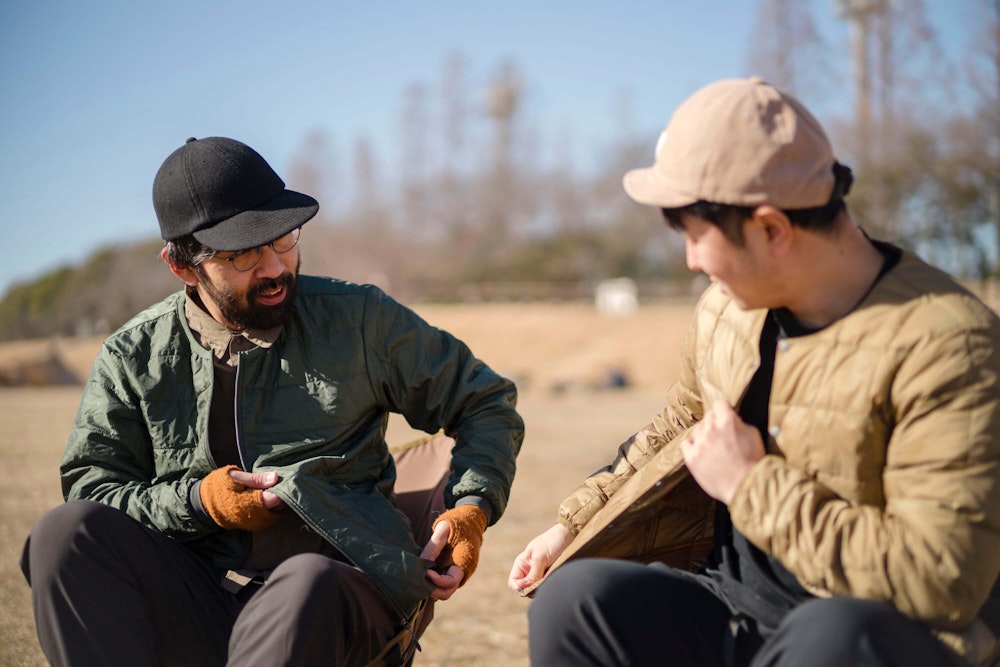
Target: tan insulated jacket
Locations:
point(885, 481)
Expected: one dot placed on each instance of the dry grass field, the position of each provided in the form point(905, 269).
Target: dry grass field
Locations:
point(559, 355)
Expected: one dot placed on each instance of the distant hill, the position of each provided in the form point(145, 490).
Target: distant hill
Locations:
point(111, 285)
point(115, 282)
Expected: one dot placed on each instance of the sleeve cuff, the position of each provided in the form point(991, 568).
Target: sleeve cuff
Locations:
point(197, 509)
point(479, 502)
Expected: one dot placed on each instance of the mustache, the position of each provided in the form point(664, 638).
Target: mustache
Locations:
point(286, 280)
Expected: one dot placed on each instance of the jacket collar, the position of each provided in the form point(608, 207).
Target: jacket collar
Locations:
point(224, 343)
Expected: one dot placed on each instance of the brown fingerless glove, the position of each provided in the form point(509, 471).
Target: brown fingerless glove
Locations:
point(232, 504)
point(468, 523)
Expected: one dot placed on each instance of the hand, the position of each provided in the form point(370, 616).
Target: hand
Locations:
point(260, 480)
point(447, 582)
point(235, 501)
point(720, 450)
point(532, 563)
point(457, 547)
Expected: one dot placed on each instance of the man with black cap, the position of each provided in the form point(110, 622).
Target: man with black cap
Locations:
point(823, 485)
point(230, 493)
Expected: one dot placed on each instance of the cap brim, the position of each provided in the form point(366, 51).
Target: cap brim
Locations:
point(260, 225)
point(646, 186)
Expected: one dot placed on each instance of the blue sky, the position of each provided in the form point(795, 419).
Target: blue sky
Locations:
point(96, 94)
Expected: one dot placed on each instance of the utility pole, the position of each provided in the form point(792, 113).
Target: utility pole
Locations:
point(860, 13)
point(502, 103)
point(995, 158)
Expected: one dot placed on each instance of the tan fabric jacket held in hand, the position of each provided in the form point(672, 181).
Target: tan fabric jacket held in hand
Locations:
point(885, 481)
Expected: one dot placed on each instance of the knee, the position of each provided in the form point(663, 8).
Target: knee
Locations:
point(562, 613)
point(845, 627)
point(847, 631)
point(64, 524)
point(57, 536)
point(309, 584)
point(310, 574)
point(839, 621)
point(615, 612)
point(70, 516)
point(576, 586)
point(77, 520)
point(568, 586)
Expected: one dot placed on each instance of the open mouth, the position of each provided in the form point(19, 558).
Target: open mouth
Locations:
point(272, 295)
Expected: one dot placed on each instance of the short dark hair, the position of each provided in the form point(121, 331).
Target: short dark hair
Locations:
point(188, 251)
point(730, 218)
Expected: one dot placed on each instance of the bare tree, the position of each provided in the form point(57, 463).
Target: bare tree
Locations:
point(568, 210)
point(367, 207)
point(966, 202)
point(897, 63)
point(454, 113)
point(497, 195)
point(314, 171)
point(786, 48)
point(451, 207)
point(414, 163)
point(984, 75)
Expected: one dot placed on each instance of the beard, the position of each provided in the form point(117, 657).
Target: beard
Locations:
point(243, 311)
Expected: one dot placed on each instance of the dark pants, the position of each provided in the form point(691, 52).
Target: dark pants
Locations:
point(612, 612)
point(108, 591)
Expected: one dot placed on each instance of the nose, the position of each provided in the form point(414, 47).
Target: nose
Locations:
point(270, 264)
point(691, 256)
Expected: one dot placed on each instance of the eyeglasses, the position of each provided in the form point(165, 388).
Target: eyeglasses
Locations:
point(244, 260)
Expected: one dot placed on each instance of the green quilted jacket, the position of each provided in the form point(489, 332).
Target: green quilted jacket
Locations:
point(313, 408)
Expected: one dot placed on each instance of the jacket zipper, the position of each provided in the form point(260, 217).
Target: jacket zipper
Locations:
point(239, 450)
point(236, 412)
point(404, 618)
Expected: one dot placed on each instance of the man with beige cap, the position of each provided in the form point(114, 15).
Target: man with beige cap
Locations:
point(823, 484)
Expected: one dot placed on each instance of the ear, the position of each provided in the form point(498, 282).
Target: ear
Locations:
point(776, 228)
point(186, 273)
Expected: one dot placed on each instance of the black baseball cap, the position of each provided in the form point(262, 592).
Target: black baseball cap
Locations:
point(226, 195)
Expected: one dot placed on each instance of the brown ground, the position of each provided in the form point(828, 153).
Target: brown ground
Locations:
point(559, 354)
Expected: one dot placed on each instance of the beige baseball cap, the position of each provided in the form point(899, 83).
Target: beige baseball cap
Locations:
point(741, 142)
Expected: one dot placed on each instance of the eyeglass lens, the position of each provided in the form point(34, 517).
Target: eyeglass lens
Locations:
point(246, 260)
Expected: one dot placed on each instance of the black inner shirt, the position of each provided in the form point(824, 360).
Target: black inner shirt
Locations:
point(757, 583)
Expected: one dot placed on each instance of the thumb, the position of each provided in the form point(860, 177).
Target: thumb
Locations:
point(538, 564)
point(721, 408)
point(468, 523)
point(437, 542)
point(520, 573)
point(255, 480)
